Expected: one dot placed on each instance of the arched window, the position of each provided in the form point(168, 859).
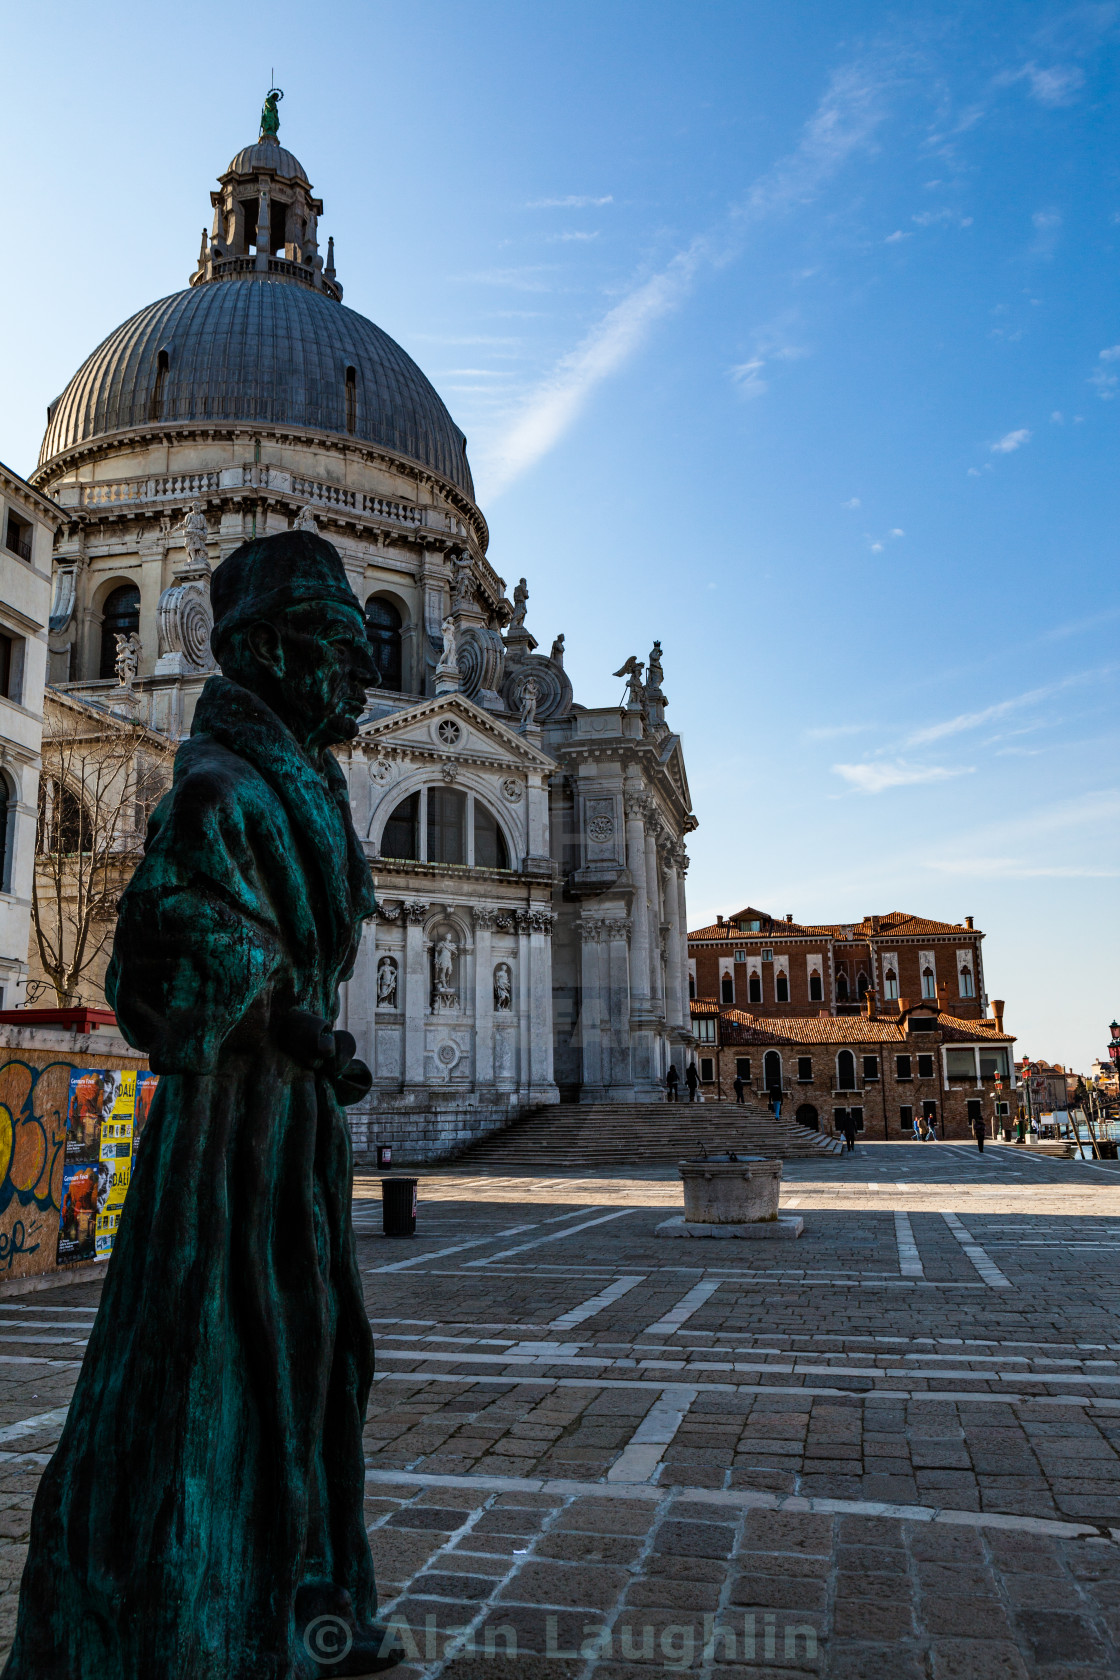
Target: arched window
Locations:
point(845, 1071)
point(401, 838)
point(929, 983)
point(447, 825)
point(841, 987)
point(863, 986)
point(754, 988)
point(490, 849)
point(64, 824)
point(727, 989)
point(351, 399)
point(816, 989)
point(890, 986)
point(120, 616)
point(383, 627)
point(691, 986)
point(807, 1116)
point(967, 988)
point(772, 1071)
point(155, 404)
point(781, 988)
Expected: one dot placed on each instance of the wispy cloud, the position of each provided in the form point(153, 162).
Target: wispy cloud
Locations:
point(573, 201)
point(843, 123)
point(1011, 441)
point(573, 236)
point(529, 278)
point(1050, 84)
point(1103, 376)
point(1014, 869)
point(1002, 708)
point(880, 774)
point(1046, 224)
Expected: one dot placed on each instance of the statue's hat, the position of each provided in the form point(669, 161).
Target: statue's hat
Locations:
point(265, 576)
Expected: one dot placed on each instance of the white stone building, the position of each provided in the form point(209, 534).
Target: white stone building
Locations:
point(28, 521)
point(528, 852)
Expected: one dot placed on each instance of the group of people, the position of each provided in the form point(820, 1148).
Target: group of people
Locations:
point(673, 1081)
point(925, 1129)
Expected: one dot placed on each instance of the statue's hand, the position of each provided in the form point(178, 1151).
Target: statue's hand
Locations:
point(309, 1041)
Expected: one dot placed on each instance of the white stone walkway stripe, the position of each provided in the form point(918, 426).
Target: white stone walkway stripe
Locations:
point(804, 1391)
point(33, 1425)
point(479, 1242)
point(596, 1303)
point(642, 1454)
point(909, 1260)
point(684, 1309)
point(984, 1264)
point(740, 1499)
point(553, 1236)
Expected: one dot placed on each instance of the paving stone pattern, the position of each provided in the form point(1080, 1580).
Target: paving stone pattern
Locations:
point(887, 1450)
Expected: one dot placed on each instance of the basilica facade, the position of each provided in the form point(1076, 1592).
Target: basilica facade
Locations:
point(530, 943)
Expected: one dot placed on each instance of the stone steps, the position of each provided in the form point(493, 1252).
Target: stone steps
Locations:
point(587, 1135)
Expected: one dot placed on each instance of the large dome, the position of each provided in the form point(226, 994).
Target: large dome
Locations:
point(264, 351)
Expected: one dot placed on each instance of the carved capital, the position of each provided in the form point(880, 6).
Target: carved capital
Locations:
point(540, 921)
point(414, 910)
point(484, 916)
point(590, 933)
point(616, 927)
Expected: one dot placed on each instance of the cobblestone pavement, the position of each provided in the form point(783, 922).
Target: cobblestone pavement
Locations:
point(889, 1449)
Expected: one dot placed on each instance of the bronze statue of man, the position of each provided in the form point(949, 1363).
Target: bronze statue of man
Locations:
point(202, 1518)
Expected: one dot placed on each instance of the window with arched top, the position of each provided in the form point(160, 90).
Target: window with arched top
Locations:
point(890, 986)
point(967, 988)
point(445, 825)
point(863, 985)
point(383, 627)
point(845, 1071)
point(772, 1071)
point(120, 616)
point(691, 986)
point(781, 988)
point(727, 989)
point(842, 987)
point(351, 399)
point(929, 983)
point(155, 402)
point(816, 987)
point(64, 823)
point(754, 988)
point(7, 800)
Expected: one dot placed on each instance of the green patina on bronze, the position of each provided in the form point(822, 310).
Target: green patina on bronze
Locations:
point(270, 116)
point(204, 1507)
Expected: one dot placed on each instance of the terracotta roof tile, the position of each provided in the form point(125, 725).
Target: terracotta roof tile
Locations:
point(899, 922)
point(743, 1028)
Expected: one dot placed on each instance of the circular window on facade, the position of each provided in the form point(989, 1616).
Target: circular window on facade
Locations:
point(449, 732)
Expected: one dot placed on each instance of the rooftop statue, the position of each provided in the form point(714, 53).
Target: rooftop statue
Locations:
point(270, 116)
point(202, 1517)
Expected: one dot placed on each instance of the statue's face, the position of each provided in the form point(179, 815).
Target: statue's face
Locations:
point(324, 666)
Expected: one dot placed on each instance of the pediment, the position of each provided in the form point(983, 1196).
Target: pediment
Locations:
point(416, 731)
point(672, 765)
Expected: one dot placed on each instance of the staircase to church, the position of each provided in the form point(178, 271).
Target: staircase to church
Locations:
point(588, 1135)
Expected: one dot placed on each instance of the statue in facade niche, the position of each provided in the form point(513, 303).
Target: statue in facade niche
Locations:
point(387, 983)
point(444, 995)
point(127, 661)
point(449, 658)
point(306, 521)
point(520, 605)
point(462, 589)
point(503, 987)
point(203, 1512)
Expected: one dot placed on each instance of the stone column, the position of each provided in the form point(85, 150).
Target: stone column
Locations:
point(590, 1007)
point(636, 856)
point(416, 983)
point(524, 1023)
point(617, 932)
point(653, 912)
point(675, 968)
point(483, 996)
point(540, 1002)
point(682, 913)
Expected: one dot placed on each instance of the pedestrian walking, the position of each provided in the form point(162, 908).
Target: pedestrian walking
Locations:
point(931, 1129)
point(849, 1128)
point(918, 1138)
point(738, 1087)
point(692, 1080)
point(978, 1134)
point(672, 1081)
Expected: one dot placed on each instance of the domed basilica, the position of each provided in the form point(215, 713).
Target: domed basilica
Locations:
point(530, 940)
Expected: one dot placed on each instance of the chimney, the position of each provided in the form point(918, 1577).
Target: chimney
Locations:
point(903, 1005)
point(789, 915)
point(997, 1013)
point(968, 923)
point(719, 921)
point(869, 1005)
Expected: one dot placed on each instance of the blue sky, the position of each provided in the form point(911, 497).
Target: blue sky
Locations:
point(787, 332)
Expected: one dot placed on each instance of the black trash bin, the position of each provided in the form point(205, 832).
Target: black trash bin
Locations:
point(398, 1206)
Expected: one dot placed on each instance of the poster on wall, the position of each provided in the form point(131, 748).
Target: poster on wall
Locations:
point(106, 1112)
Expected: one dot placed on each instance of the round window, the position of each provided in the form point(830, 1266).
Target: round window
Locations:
point(449, 732)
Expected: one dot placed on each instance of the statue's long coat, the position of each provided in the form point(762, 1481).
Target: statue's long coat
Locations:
point(212, 1459)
